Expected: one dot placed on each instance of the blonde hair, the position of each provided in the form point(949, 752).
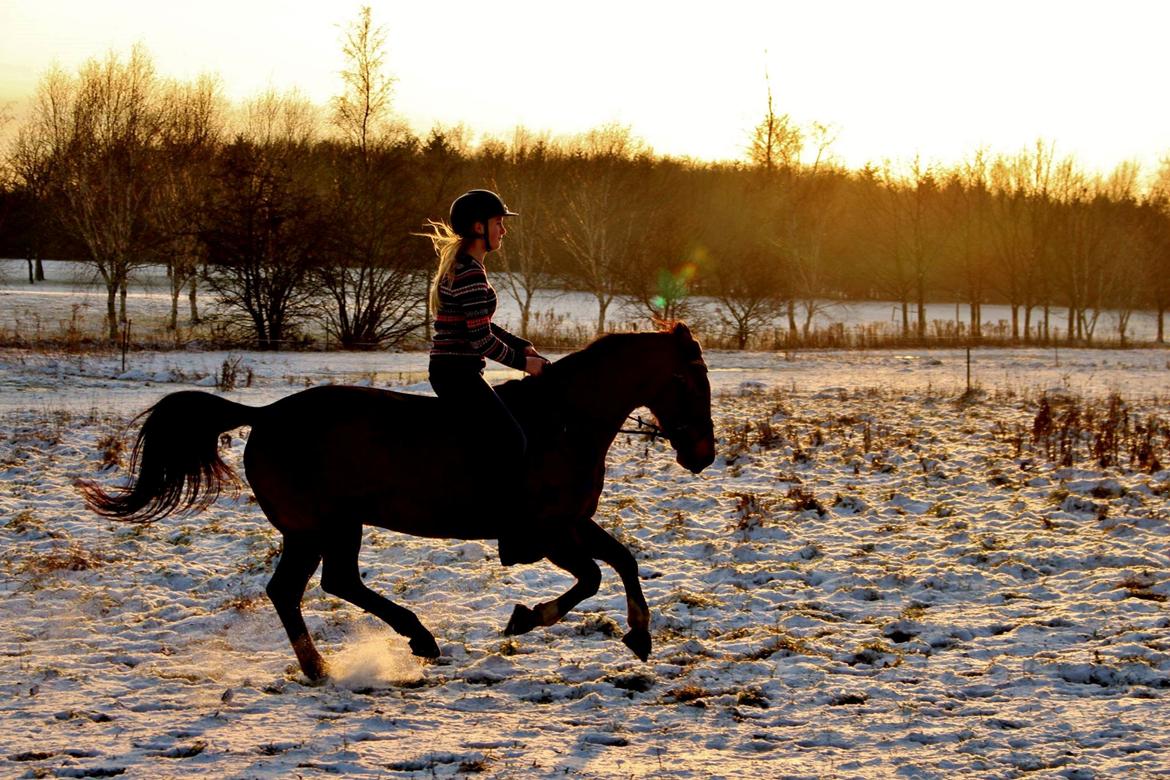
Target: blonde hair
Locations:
point(447, 244)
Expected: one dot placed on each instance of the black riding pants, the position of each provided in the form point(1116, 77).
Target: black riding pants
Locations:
point(483, 422)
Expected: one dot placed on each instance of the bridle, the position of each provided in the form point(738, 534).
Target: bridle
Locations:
point(655, 431)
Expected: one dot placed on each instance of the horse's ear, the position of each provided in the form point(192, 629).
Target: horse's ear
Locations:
point(686, 340)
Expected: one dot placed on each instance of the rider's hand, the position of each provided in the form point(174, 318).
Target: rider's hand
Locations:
point(534, 365)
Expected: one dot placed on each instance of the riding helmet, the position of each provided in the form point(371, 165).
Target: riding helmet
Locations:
point(476, 206)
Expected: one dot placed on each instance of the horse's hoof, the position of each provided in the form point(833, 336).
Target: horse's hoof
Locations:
point(316, 671)
point(523, 620)
point(638, 640)
point(424, 646)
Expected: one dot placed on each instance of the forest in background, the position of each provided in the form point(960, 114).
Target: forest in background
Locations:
point(290, 214)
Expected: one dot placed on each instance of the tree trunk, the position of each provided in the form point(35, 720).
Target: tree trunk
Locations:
point(921, 309)
point(525, 314)
point(173, 323)
point(602, 307)
point(191, 298)
point(1161, 325)
point(1072, 324)
point(1015, 321)
point(112, 311)
point(792, 330)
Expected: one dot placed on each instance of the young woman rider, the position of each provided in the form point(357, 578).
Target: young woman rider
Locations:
point(462, 304)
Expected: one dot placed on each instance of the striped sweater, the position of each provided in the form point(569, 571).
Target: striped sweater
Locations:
point(463, 323)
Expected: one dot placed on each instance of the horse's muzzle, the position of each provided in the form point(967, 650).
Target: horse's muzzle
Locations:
point(698, 456)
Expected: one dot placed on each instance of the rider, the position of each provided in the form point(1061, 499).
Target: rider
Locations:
point(463, 302)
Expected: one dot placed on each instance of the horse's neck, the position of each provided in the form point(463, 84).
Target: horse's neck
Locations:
point(628, 378)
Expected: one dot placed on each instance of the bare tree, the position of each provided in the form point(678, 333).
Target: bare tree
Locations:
point(370, 286)
point(101, 132)
point(284, 120)
point(31, 166)
point(192, 132)
point(528, 182)
point(810, 204)
point(263, 235)
point(776, 142)
point(1116, 207)
point(744, 271)
point(888, 208)
point(1024, 223)
point(967, 201)
point(746, 280)
point(598, 221)
point(667, 255)
point(362, 109)
point(1156, 243)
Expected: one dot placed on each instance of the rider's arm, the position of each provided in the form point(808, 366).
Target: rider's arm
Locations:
point(512, 340)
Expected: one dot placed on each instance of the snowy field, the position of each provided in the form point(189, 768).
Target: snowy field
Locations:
point(870, 581)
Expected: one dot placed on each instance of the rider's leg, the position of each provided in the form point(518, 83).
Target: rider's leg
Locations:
point(498, 445)
point(484, 422)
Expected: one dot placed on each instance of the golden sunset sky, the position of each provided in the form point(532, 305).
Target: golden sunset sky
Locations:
point(896, 79)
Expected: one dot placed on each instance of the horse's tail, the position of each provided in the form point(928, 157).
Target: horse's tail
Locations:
point(176, 458)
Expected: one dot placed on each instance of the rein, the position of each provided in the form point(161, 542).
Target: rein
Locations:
point(644, 428)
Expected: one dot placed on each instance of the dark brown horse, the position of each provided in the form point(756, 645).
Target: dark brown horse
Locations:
point(324, 461)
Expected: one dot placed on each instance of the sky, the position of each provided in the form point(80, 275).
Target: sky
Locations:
point(895, 79)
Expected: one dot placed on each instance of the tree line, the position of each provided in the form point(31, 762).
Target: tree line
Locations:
point(288, 219)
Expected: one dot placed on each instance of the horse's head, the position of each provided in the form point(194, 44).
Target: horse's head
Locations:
point(683, 405)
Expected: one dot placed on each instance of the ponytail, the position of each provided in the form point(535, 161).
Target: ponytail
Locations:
point(447, 244)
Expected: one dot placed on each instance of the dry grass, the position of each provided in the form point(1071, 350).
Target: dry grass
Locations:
point(1069, 431)
point(686, 694)
point(750, 511)
point(112, 448)
point(1138, 586)
point(60, 559)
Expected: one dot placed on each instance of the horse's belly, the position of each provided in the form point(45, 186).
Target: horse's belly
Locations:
point(355, 472)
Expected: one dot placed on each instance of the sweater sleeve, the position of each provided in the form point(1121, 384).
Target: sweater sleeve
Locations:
point(475, 299)
point(512, 340)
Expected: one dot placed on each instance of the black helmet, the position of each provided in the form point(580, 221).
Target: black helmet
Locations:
point(476, 206)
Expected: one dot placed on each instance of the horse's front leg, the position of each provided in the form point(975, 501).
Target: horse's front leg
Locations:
point(575, 560)
point(600, 545)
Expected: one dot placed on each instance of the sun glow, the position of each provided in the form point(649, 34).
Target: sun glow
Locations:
point(892, 80)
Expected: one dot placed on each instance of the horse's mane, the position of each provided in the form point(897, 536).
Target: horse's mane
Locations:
point(586, 360)
point(594, 352)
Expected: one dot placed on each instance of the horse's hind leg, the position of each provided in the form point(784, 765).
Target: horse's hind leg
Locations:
point(298, 560)
point(340, 577)
point(605, 548)
point(588, 580)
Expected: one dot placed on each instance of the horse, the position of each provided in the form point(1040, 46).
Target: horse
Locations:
point(324, 461)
